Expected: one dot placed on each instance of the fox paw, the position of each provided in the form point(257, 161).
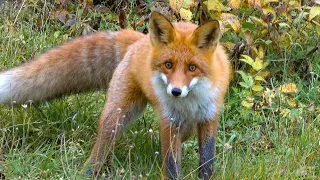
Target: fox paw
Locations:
point(96, 175)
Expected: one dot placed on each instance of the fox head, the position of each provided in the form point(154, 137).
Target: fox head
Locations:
point(182, 52)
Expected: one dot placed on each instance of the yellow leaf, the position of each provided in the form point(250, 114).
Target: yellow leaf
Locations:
point(185, 14)
point(251, 3)
point(288, 88)
point(257, 88)
point(254, 48)
point(263, 73)
point(228, 45)
point(284, 112)
point(311, 156)
point(176, 4)
point(258, 64)
point(266, 2)
point(258, 21)
point(235, 4)
point(188, 3)
point(270, 10)
point(247, 59)
point(232, 20)
point(314, 11)
point(269, 95)
point(216, 5)
point(291, 102)
point(261, 52)
point(294, 4)
point(247, 104)
point(264, 32)
point(259, 78)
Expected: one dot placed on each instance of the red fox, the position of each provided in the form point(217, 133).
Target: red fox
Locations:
point(179, 68)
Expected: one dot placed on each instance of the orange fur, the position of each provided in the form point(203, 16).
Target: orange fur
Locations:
point(179, 59)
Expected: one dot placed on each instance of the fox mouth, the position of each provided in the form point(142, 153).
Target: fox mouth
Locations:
point(175, 91)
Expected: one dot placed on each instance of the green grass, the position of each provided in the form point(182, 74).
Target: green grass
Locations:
point(52, 140)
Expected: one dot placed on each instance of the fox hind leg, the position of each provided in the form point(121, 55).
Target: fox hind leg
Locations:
point(111, 125)
point(124, 104)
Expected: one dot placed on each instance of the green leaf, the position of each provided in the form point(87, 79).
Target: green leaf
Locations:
point(284, 40)
point(56, 34)
point(267, 42)
point(247, 80)
point(318, 30)
point(284, 25)
point(249, 26)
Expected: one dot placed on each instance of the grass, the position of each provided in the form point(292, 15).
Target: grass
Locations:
point(52, 140)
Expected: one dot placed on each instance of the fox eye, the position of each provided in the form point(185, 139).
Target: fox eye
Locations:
point(168, 65)
point(192, 68)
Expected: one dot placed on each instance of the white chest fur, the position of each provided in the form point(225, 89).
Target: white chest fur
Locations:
point(198, 106)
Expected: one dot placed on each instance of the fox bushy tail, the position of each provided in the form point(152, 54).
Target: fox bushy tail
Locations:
point(82, 64)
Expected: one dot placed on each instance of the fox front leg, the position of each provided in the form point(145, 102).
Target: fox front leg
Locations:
point(207, 132)
point(171, 150)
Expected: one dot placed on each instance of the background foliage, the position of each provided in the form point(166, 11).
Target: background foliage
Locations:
point(270, 125)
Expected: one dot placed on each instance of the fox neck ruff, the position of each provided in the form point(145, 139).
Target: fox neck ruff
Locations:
point(198, 105)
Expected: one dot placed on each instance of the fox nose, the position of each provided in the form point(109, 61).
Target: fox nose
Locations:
point(176, 91)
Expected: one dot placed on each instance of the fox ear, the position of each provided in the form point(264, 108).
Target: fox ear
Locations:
point(161, 30)
point(206, 35)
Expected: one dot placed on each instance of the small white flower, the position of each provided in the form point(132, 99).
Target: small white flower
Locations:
point(113, 131)
point(156, 153)
point(150, 131)
point(131, 146)
point(103, 175)
point(227, 146)
point(24, 106)
point(119, 110)
point(124, 116)
point(30, 102)
point(122, 171)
